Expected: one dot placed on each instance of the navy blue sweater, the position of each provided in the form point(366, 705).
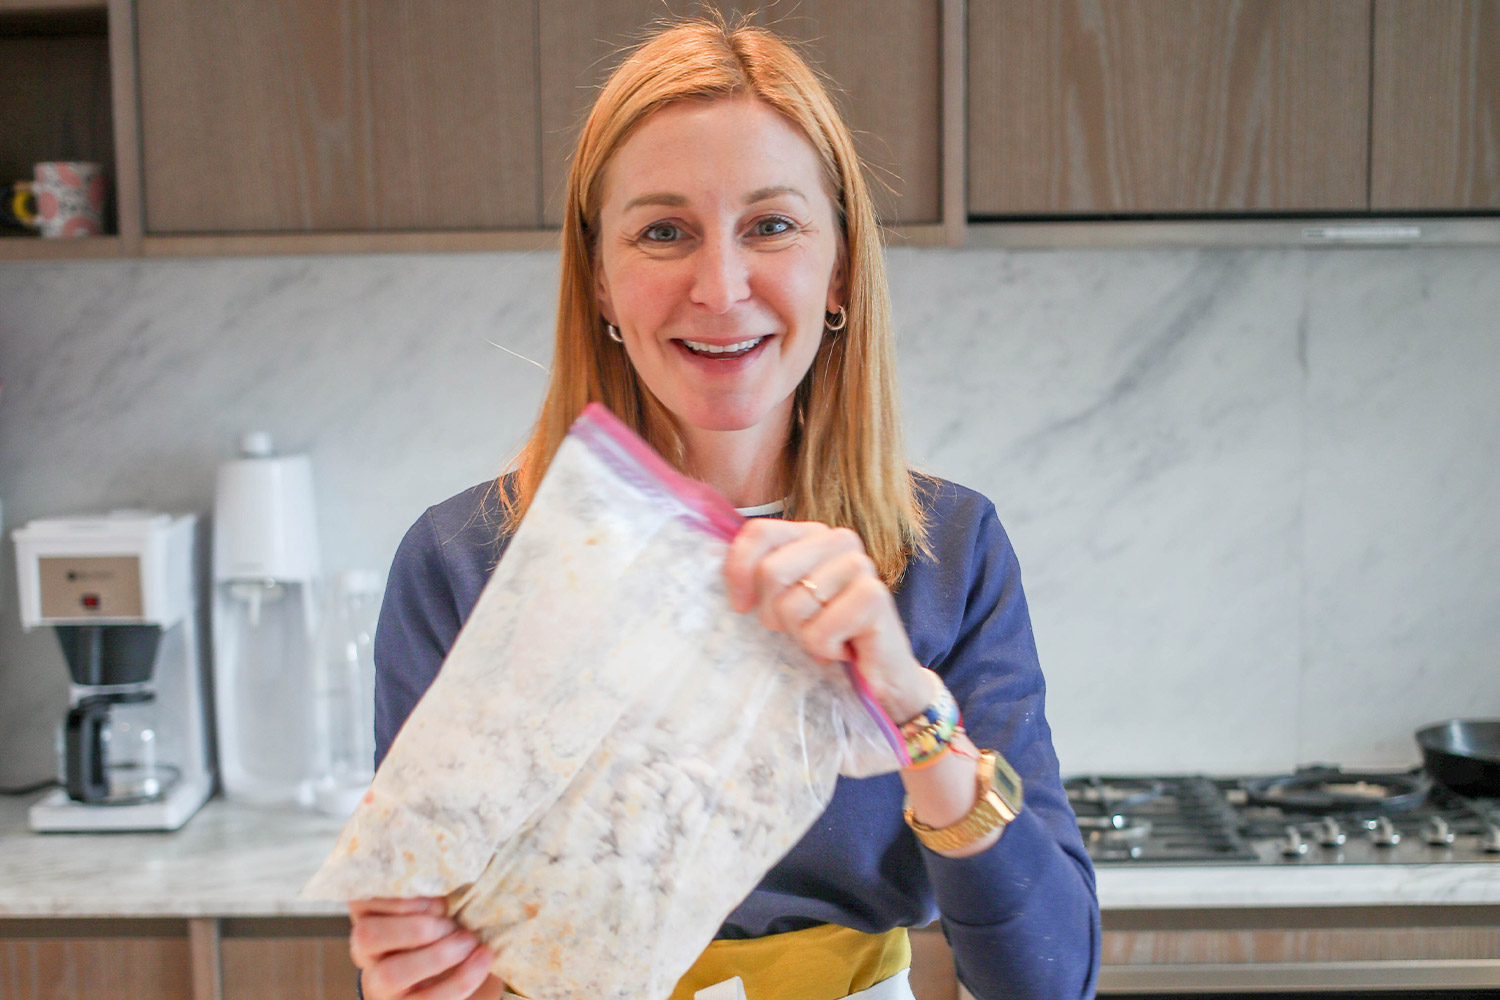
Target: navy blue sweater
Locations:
point(1022, 917)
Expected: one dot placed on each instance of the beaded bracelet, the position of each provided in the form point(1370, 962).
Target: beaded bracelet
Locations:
point(930, 735)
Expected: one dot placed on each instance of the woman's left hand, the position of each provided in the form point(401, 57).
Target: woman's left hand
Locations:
point(817, 584)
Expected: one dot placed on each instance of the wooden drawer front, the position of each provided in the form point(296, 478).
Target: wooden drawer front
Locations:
point(97, 960)
point(287, 968)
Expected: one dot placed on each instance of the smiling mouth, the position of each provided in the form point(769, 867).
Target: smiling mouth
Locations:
point(722, 352)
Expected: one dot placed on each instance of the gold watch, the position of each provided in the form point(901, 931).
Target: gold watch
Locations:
point(1000, 799)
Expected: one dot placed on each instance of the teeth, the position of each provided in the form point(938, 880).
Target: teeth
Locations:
point(743, 345)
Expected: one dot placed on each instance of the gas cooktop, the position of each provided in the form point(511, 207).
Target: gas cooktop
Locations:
point(1318, 815)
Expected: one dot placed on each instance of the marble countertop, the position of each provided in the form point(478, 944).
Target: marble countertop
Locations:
point(235, 860)
point(229, 860)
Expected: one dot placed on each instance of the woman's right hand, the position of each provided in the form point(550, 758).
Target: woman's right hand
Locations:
point(410, 948)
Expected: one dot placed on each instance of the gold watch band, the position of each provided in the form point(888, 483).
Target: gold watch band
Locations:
point(999, 802)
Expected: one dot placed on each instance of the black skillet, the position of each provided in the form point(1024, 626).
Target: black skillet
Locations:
point(1463, 754)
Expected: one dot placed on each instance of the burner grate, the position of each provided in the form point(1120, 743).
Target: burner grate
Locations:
point(1156, 820)
point(1318, 815)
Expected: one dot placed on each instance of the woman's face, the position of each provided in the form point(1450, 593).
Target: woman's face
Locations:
point(717, 259)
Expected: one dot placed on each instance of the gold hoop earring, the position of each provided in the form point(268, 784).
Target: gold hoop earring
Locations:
point(614, 333)
point(843, 321)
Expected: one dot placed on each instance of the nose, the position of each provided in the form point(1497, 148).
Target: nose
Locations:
point(721, 274)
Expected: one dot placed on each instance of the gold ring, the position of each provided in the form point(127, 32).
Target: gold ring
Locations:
point(812, 588)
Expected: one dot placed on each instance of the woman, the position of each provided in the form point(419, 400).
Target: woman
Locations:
point(723, 292)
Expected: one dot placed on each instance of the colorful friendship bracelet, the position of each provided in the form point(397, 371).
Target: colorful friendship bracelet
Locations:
point(930, 735)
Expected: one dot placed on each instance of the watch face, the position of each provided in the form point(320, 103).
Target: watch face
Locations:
point(1007, 783)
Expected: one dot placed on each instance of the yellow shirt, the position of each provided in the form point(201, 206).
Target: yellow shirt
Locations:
point(820, 963)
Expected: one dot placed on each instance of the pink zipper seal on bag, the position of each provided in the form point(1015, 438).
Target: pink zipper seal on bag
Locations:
point(704, 508)
point(622, 449)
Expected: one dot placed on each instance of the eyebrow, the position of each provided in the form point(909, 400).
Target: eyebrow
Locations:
point(677, 200)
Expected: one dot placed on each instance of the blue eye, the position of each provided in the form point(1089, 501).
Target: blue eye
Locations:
point(660, 232)
point(773, 226)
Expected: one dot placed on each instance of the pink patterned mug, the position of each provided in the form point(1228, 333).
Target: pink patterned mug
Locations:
point(69, 198)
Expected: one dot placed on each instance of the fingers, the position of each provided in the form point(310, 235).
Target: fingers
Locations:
point(408, 948)
point(811, 581)
point(818, 584)
point(767, 556)
point(418, 904)
point(758, 538)
point(449, 969)
point(492, 988)
point(821, 594)
point(859, 611)
point(374, 936)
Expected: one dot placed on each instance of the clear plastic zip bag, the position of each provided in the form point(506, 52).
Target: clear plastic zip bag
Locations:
point(610, 758)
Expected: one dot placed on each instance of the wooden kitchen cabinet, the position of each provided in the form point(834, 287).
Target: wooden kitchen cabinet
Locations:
point(1145, 952)
point(289, 126)
point(1155, 106)
point(579, 41)
point(245, 958)
point(262, 958)
point(142, 959)
point(339, 115)
point(883, 54)
point(285, 959)
point(1435, 119)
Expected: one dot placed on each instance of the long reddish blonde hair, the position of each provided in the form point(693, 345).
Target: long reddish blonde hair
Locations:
point(845, 461)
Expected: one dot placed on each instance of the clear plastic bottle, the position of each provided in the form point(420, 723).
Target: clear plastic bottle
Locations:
point(344, 693)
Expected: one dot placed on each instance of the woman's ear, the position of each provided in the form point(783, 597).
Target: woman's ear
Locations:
point(836, 286)
point(601, 295)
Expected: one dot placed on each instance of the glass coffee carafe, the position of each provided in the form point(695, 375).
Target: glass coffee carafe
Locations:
point(112, 753)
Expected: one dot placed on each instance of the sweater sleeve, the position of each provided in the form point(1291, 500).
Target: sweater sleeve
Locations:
point(419, 621)
point(1022, 918)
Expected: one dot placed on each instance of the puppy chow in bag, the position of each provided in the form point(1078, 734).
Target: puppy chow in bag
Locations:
point(610, 757)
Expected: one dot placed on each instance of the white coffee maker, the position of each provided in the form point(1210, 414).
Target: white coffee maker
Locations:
point(121, 592)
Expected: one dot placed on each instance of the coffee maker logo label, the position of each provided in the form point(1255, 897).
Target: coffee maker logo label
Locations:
point(106, 586)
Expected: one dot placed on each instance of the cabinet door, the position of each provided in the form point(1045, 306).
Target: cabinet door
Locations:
point(55, 959)
point(882, 53)
point(1161, 106)
point(581, 42)
point(885, 57)
point(337, 115)
point(1436, 117)
point(289, 968)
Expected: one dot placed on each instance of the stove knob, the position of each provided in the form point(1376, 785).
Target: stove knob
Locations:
point(1436, 832)
point(1384, 834)
point(1490, 842)
point(1330, 834)
point(1293, 846)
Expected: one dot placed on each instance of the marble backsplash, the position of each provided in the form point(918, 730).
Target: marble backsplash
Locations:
point(1252, 490)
